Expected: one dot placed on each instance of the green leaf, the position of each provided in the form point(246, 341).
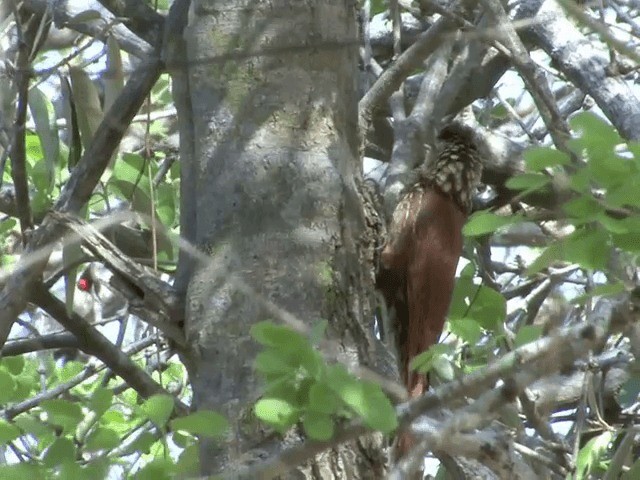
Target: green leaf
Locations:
point(288, 348)
point(63, 412)
point(70, 370)
point(590, 455)
point(627, 242)
point(113, 77)
point(14, 365)
point(596, 134)
point(8, 432)
point(101, 400)
point(36, 167)
point(539, 158)
point(368, 401)
point(583, 207)
point(462, 292)
point(378, 6)
point(625, 194)
point(549, 255)
point(61, 451)
point(322, 399)
point(44, 117)
point(528, 181)
point(188, 465)
point(599, 140)
point(165, 204)
point(527, 334)
point(485, 222)
point(103, 438)
point(277, 413)
point(7, 225)
point(158, 409)
point(443, 367)
point(581, 182)
point(478, 303)
point(424, 361)
point(87, 104)
point(272, 361)
point(318, 426)
point(182, 439)
point(29, 424)
point(293, 388)
point(613, 225)
point(608, 289)
point(467, 329)
point(271, 335)
point(157, 469)
point(204, 423)
point(142, 444)
point(499, 112)
point(22, 471)
point(587, 247)
point(7, 387)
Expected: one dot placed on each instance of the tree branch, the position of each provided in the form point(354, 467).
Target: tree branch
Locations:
point(142, 20)
point(152, 293)
point(26, 41)
point(531, 361)
point(530, 73)
point(583, 64)
point(76, 192)
point(92, 342)
point(44, 342)
point(65, 14)
point(410, 59)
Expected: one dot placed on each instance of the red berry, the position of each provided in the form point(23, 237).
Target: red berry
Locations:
point(83, 284)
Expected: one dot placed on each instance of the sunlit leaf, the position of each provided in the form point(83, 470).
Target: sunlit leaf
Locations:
point(485, 222)
point(205, 423)
point(61, 412)
point(539, 158)
point(277, 413)
point(158, 409)
point(8, 432)
point(102, 438)
point(528, 181)
point(466, 328)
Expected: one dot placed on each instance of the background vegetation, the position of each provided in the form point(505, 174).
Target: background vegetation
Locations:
point(536, 375)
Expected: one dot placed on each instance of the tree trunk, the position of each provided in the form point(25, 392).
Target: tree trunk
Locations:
point(278, 208)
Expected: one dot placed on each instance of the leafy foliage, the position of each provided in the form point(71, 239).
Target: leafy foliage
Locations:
point(74, 420)
point(302, 387)
point(96, 426)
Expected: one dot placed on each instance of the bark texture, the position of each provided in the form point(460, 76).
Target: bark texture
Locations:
point(278, 208)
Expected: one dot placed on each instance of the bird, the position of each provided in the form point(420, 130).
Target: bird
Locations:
point(424, 243)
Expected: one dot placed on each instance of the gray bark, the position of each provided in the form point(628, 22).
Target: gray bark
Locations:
point(278, 208)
